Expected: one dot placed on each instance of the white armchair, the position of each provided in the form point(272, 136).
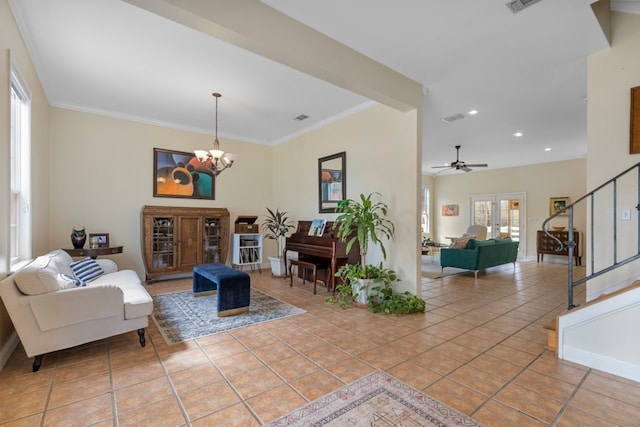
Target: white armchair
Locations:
point(478, 231)
point(51, 313)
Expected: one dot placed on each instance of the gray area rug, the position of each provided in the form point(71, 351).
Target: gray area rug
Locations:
point(432, 269)
point(180, 316)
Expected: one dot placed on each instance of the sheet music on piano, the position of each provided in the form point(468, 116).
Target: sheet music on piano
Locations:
point(317, 227)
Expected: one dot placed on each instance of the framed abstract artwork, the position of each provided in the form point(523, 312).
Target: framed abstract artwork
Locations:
point(332, 181)
point(180, 174)
point(450, 210)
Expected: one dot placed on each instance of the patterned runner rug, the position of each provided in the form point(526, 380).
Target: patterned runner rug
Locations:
point(180, 316)
point(377, 399)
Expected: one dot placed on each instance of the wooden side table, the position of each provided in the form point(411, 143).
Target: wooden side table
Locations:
point(432, 248)
point(94, 253)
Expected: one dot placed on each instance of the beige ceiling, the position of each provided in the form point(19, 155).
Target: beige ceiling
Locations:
point(524, 72)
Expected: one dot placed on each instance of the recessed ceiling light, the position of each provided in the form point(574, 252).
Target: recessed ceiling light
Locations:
point(547, 149)
point(517, 134)
point(473, 112)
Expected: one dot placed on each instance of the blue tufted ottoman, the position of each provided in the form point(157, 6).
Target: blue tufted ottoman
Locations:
point(233, 287)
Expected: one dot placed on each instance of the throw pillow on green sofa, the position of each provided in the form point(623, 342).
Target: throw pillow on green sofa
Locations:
point(473, 243)
point(505, 240)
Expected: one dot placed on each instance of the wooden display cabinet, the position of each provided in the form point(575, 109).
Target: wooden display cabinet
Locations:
point(175, 239)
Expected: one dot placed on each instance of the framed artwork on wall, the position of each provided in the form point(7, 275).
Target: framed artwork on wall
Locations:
point(557, 205)
point(332, 181)
point(180, 174)
point(634, 131)
point(450, 210)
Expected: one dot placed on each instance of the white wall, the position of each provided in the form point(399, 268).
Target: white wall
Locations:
point(607, 341)
point(366, 137)
point(539, 183)
point(102, 175)
point(611, 75)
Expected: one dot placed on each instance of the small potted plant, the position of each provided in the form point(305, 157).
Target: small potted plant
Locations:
point(277, 224)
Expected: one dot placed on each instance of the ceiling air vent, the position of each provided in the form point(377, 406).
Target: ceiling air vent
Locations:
point(453, 118)
point(517, 5)
point(301, 117)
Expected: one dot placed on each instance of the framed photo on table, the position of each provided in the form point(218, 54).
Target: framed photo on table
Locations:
point(103, 239)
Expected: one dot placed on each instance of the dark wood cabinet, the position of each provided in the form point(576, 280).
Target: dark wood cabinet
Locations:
point(546, 244)
point(175, 239)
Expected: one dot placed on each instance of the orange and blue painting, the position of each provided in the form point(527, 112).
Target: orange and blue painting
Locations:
point(449, 210)
point(181, 174)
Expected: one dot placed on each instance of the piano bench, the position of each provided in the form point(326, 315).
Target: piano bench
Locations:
point(313, 266)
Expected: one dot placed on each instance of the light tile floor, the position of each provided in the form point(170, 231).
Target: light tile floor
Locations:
point(479, 348)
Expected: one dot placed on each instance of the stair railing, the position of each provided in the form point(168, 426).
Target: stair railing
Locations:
point(590, 200)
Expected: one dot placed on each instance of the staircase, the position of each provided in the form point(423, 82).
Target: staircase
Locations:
point(597, 333)
point(552, 325)
point(552, 334)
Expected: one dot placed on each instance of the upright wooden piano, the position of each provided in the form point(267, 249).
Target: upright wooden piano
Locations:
point(327, 247)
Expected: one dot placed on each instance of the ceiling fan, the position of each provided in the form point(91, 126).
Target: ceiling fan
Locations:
point(458, 165)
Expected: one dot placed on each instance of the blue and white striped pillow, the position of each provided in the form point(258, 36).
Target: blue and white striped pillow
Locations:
point(71, 280)
point(86, 269)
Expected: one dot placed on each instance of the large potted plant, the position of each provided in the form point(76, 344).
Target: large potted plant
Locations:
point(277, 224)
point(364, 221)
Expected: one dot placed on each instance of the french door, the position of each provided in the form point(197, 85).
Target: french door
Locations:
point(502, 214)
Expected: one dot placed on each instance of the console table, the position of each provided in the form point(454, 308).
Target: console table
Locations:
point(548, 245)
point(94, 252)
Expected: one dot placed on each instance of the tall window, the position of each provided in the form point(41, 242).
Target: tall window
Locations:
point(426, 208)
point(20, 202)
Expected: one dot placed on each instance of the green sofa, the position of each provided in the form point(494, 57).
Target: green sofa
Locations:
point(480, 254)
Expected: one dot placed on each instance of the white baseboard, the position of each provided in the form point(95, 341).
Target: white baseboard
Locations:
point(7, 350)
point(602, 363)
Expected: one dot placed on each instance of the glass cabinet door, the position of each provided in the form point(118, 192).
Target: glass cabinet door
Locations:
point(212, 240)
point(163, 242)
point(176, 238)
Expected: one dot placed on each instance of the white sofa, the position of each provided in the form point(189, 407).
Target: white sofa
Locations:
point(50, 312)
